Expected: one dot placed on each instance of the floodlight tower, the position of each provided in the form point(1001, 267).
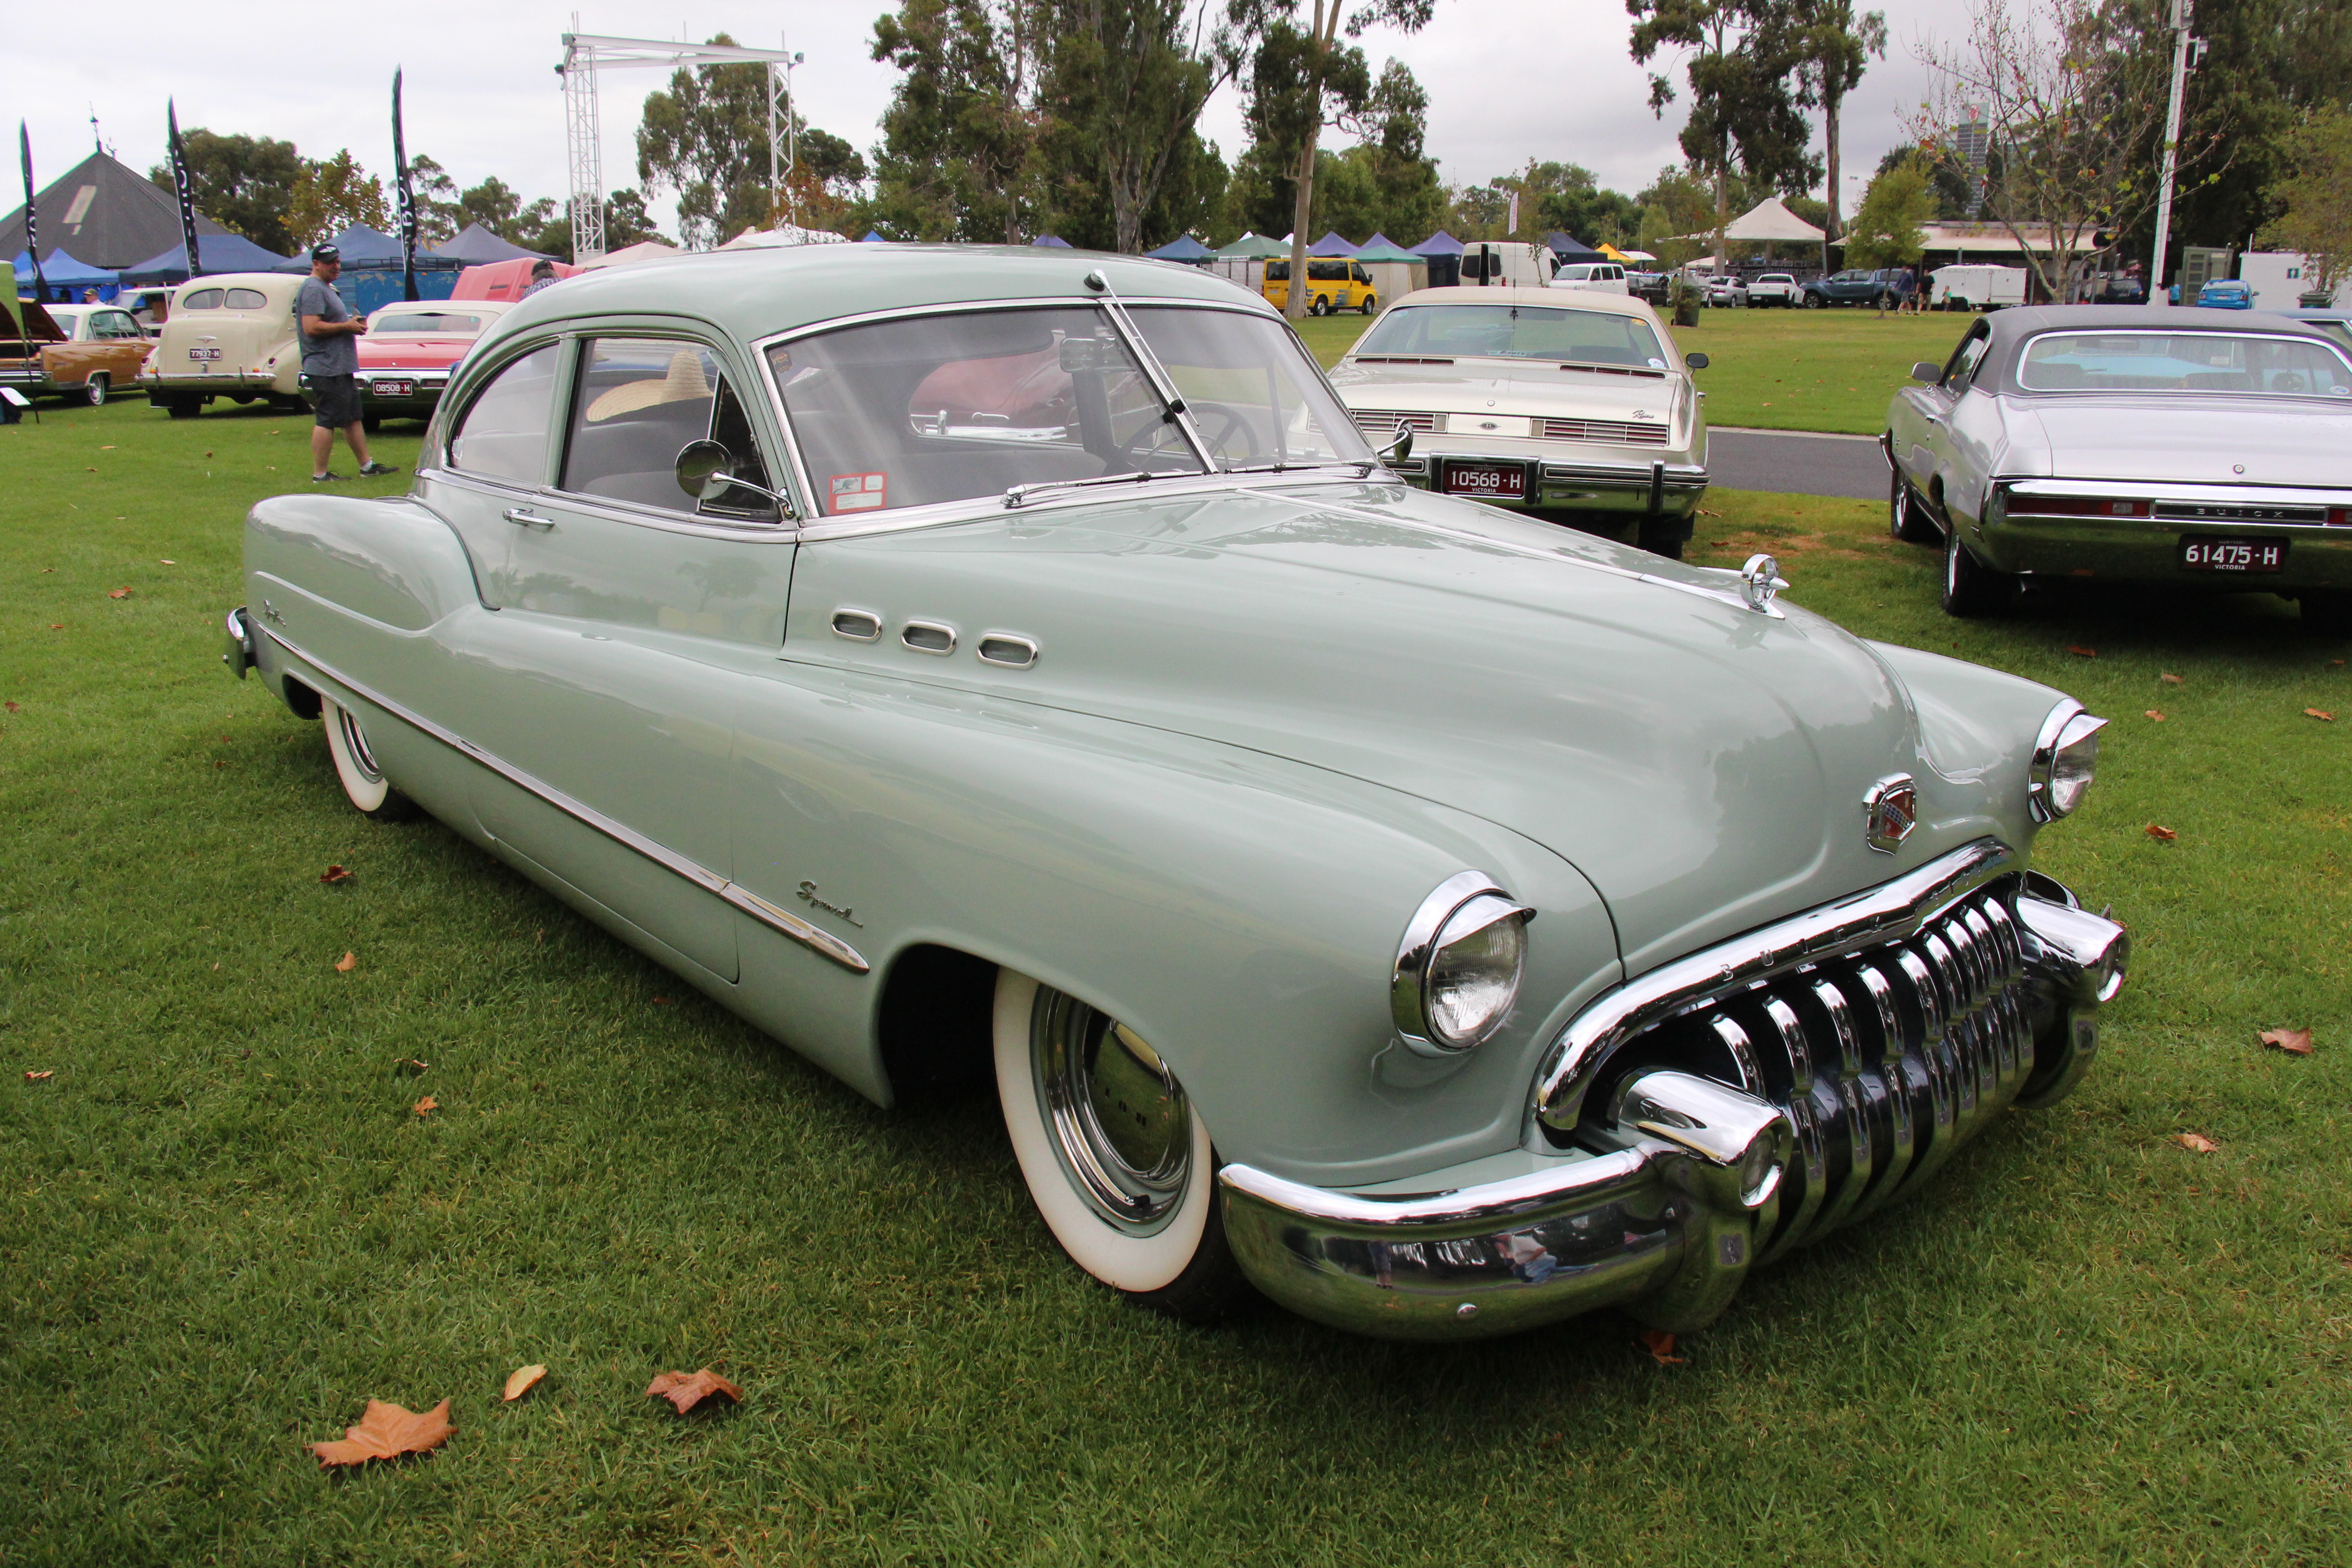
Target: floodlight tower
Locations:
point(586, 54)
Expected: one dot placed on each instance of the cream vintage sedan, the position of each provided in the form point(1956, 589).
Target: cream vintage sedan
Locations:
point(1580, 408)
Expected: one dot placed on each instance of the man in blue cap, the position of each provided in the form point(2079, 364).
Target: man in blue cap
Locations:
point(331, 363)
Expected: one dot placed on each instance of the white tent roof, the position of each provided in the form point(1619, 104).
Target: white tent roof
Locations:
point(781, 235)
point(1767, 220)
point(643, 250)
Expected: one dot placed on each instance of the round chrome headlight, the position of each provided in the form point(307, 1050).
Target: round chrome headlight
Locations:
point(1459, 966)
point(2064, 755)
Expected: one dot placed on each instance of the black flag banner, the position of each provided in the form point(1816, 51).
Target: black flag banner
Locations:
point(32, 214)
point(408, 197)
point(181, 181)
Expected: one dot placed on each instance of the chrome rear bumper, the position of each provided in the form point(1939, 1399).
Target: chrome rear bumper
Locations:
point(1859, 1072)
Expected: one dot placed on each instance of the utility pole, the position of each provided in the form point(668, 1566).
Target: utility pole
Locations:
point(2171, 152)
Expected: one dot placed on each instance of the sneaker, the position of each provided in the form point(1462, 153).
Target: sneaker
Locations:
point(326, 479)
point(374, 469)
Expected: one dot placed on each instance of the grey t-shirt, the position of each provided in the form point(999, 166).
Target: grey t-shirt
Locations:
point(338, 353)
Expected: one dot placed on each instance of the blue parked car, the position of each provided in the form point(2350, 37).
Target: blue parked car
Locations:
point(2221, 294)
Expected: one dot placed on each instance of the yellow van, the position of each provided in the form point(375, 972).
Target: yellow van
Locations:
point(1334, 283)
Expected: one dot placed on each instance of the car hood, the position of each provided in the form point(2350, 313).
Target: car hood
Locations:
point(1702, 764)
point(2185, 440)
point(1492, 386)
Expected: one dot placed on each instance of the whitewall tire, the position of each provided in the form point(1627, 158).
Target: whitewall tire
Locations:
point(362, 777)
point(1120, 1167)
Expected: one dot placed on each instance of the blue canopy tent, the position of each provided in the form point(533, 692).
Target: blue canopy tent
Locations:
point(1567, 248)
point(872, 236)
point(1184, 248)
point(218, 252)
point(477, 246)
point(1443, 253)
point(1052, 239)
point(1332, 245)
point(371, 276)
point(65, 277)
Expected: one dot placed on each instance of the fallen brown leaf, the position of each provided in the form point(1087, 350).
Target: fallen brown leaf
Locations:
point(39, 1077)
point(346, 964)
point(208, 454)
point(334, 874)
point(2085, 652)
point(2196, 1141)
point(105, 448)
point(2155, 715)
point(2162, 835)
point(57, 625)
point(1661, 1346)
point(118, 593)
point(2293, 1042)
point(688, 1389)
point(661, 1001)
point(2315, 713)
point(523, 1380)
point(426, 1106)
point(10, 706)
point(409, 1067)
point(386, 1432)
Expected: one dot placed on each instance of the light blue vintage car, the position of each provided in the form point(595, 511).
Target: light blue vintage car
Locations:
point(1001, 667)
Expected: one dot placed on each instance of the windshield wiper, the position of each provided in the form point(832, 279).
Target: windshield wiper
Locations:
point(1020, 493)
point(1163, 387)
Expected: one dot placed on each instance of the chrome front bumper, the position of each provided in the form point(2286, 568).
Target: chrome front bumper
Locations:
point(1656, 487)
point(1662, 1203)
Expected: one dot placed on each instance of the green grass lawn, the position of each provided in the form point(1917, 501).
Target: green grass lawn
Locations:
point(1776, 369)
point(223, 1229)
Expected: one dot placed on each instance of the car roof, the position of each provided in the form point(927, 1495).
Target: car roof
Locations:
point(2011, 327)
point(756, 293)
point(1551, 299)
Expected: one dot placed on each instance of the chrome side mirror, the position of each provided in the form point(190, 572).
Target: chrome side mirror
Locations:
point(1696, 359)
point(1400, 447)
point(705, 470)
point(1928, 371)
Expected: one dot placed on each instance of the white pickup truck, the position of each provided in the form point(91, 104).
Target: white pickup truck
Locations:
point(1776, 289)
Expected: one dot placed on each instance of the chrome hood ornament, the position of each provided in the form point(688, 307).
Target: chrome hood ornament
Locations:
point(1759, 580)
point(1890, 810)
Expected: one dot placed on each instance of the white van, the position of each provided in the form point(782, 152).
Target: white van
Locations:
point(1505, 263)
point(1599, 277)
point(1968, 287)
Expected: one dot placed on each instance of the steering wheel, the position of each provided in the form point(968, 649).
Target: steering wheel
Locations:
point(2289, 380)
point(1231, 422)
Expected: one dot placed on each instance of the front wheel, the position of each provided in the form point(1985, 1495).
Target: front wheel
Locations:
point(1370, 304)
point(1907, 518)
point(1117, 1163)
point(371, 794)
point(1971, 588)
point(1814, 302)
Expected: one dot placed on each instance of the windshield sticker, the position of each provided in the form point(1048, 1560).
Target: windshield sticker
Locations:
point(857, 492)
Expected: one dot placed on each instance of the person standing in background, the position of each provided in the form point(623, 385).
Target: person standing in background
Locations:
point(542, 274)
point(330, 362)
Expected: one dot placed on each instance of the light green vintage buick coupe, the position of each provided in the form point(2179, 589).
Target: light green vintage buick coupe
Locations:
point(979, 665)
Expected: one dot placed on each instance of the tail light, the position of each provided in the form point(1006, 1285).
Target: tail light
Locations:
point(2021, 505)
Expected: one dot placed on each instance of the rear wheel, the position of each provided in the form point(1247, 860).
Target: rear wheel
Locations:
point(1907, 516)
point(361, 776)
point(1971, 588)
point(2327, 612)
point(1118, 1163)
point(183, 407)
point(95, 389)
point(1661, 538)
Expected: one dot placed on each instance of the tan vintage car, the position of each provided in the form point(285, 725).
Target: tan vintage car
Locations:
point(85, 352)
point(1573, 405)
point(230, 335)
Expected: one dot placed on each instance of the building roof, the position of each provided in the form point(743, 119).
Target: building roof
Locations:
point(105, 212)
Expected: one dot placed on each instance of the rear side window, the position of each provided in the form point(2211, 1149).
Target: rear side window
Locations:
point(639, 402)
point(504, 432)
point(247, 300)
point(202, 299)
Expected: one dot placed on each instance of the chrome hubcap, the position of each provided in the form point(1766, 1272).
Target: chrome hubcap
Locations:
point(356, 745)
point(1120, 1120)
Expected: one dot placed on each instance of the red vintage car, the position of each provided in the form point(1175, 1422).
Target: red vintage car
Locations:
point(408, 351)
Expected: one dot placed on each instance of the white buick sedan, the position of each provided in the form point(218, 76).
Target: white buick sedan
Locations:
point(1577, 408)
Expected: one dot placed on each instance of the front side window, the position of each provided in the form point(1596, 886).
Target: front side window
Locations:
point(504, 432)
point(1556, 333)
point(1963, 367)
point(939, 409)
point(2182, 362)
point(639, 403)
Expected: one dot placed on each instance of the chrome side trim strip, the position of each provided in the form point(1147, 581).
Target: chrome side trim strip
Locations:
point(1890, 910)
point(814, 937)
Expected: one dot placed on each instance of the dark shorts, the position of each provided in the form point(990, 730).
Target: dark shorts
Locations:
point(337, 400)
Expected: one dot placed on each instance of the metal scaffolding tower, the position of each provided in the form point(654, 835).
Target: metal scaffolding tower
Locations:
point(586, 54)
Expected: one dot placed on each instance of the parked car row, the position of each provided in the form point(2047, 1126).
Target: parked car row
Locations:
point(1012, 675)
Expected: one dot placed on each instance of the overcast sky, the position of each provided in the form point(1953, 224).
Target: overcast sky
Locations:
point(1507, 80)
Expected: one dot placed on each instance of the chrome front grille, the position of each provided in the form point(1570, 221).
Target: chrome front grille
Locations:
point(1381, 424)
point(1615, 431)
point(1886, 1057)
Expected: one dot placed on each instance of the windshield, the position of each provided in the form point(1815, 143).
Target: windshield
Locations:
point(441, 324)
point(1517, 332)
point(2181, 362)
point(925, 409)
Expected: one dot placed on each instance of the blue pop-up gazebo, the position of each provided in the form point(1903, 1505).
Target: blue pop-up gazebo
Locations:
point(65, 277)
point(372, 270)
point(1185, 248)
point(215, 252)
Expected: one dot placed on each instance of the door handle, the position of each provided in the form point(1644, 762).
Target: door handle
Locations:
point(529, 519)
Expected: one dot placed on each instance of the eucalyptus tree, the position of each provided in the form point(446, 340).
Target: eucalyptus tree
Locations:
point(960, 138)
point(1834, 46)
